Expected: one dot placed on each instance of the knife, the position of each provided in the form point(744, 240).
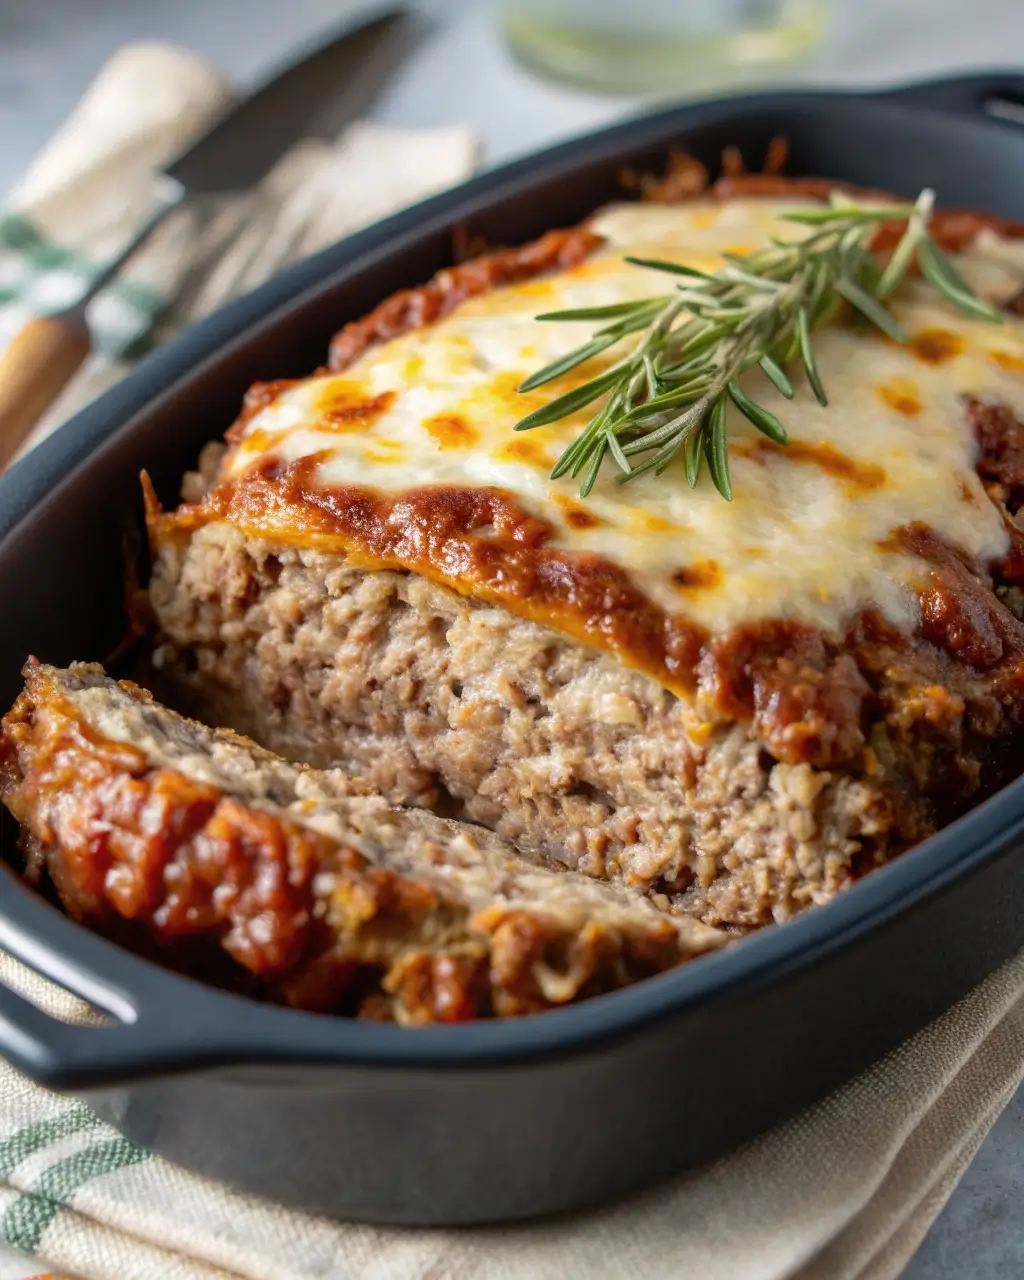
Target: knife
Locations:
point(314, 96)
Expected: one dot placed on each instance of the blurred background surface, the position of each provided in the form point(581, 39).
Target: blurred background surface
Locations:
point(462, 71)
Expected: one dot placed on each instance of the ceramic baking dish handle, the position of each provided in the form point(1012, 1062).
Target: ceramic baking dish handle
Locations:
point(145, 1030)
point(73, 1058)
point(154, 1023)
point(992, 96)
point(30, 1039)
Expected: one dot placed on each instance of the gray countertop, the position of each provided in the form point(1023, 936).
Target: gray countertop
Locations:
point(50, 49)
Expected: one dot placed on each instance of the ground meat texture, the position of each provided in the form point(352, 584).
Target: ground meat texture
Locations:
point(1000, 437)
point(1000, 464)
point(329, 897)
point(438, 700)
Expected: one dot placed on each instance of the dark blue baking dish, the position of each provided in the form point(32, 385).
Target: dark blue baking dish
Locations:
point(501, 1120)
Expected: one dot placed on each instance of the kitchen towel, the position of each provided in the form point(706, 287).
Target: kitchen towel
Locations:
point(94, 185)
point(846, 1190)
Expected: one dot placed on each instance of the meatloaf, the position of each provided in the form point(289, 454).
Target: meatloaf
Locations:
point(329, 897)
point(738, 708)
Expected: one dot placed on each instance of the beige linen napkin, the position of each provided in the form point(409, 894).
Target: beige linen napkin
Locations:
point(95, 183)
point(844, 1192)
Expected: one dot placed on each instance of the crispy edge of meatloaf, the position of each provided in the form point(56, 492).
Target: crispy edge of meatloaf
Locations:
point(329, 896)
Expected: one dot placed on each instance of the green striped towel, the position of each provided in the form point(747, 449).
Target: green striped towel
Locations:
point(79, 1199)
point(39, 276)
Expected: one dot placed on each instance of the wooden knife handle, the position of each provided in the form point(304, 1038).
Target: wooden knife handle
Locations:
point(34, 370)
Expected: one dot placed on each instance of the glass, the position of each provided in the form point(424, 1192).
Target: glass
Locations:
point(661, 46)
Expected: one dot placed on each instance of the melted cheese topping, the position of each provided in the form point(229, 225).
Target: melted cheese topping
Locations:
point(806, 535)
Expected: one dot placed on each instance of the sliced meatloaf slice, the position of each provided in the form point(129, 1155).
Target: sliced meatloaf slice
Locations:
point(330, 897)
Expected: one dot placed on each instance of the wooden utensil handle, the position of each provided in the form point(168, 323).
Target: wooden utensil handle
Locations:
point(34, 370)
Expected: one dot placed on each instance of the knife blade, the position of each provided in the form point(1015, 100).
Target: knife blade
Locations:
point(315, 95)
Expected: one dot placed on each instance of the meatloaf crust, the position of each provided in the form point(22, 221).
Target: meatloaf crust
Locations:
point(329, 897)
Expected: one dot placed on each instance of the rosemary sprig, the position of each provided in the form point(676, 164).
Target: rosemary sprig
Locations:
point(669, 393)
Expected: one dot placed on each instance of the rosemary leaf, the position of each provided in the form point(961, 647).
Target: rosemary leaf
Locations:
point(941, 274)
point(716, 450)
point(570, 401)
point(656, 462)
point(766, 422)
point(604, 313)
point(701, 338)
point(591, 477)
point(564, 363)
point(650, 374)
point(615, 449)
point(681, 395)
point(680, 427)
point(693, 455)
point(675, 268)
point(776, 375)
point(872, 309)
point(850, 212)
point(630, 324)
point(803, 331)
point(899, 263)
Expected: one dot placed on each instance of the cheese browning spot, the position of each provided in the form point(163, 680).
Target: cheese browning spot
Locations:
point(386, 451)
point(697, 577)
point(500, 395)
point(262, 440)
point(577, 516)
point(901, 395)
point(936, 346)
point(703, 219)
point(259, 397)
point(526, 450)
point(344, 406)
point(1008, 360)
point(858, 475)
point(451, 431)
